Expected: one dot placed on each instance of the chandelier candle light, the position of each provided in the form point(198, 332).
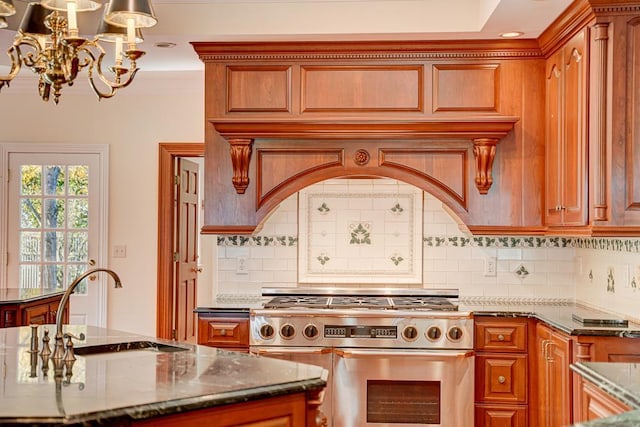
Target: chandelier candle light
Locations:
point(49, 43)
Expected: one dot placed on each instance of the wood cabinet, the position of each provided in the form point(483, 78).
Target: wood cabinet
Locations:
point(284, 411)
point(566, 134)
point(501, 392)
point(595, 403)
point(553, 354)
point(39, 311)
point(225, 330)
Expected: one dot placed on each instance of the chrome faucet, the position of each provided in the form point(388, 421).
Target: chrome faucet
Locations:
point(59, 352)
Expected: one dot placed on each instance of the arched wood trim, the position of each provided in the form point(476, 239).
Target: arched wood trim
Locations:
point(168, 152)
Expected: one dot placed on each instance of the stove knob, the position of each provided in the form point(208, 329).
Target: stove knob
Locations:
point(455, 333)
point(266, 331)
point(410, 333)
point(310, 331)
point(434, 333)
point(287, 331)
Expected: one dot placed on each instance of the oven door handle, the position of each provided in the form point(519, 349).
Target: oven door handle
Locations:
point(437, 354)
point(290, 350)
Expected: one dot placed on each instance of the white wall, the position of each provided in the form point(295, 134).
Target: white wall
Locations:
point(132, 123)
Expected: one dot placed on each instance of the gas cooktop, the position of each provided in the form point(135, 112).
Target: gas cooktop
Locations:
point(349, 298)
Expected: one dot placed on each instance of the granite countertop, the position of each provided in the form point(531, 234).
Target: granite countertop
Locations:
point(558, 315)
point(19, 295)
point(620, 380)
point(133, 385)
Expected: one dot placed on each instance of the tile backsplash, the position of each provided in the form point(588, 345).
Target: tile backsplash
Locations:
point(597, 271)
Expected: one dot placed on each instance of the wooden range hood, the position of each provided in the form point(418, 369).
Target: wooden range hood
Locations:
point(283, 115)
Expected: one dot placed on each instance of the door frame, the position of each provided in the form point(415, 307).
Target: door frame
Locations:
point(168, 152)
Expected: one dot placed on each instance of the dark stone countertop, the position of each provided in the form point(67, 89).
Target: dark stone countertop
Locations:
point(620, 380)
point(20, 296)
point(558, 315)
point(106, 389)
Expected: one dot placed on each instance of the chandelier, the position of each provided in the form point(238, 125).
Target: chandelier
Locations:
point(48, 42)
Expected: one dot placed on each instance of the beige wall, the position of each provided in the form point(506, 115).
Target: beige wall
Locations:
point(133, 124)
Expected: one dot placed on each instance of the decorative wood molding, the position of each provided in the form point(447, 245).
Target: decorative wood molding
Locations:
point(484, 131)
point(583, 351)
point(240, 157)
point(229, 229)
point(611, 231)
point(598, 120)
point(484, 151)
point(337, 50)
point(568, 24)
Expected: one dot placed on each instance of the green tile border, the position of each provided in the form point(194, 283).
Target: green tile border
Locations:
point(600, 243)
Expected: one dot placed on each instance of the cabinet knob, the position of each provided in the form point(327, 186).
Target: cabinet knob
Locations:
point(501, 379)
point(500, 337)
point(223, 332)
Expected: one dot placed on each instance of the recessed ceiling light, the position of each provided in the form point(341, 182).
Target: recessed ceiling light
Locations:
point(165, 45)
point(511, 34)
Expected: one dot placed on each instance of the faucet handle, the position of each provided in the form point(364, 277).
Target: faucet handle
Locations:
point(69, 354)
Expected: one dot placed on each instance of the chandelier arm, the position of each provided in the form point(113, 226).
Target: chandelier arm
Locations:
point(118, 70)
point(16, 63)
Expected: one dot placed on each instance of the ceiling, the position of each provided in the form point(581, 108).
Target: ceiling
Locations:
point(182, 21)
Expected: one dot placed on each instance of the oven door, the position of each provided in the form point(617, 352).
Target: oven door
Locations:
point(319, 356)
point(396, 388)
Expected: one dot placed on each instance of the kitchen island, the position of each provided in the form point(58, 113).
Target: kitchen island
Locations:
point(125, 379)
point(620, 381)
point(22, 307)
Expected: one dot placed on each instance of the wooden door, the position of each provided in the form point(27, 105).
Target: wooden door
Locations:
point(553, 153)
point(187, 251)
point(559, 358)
point(574, 149)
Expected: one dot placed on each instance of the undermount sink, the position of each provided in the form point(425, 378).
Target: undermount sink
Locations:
point(146, 346)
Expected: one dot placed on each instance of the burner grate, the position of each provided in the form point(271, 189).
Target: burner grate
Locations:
point(298, 301)
point(359, 302)
point(429, 303)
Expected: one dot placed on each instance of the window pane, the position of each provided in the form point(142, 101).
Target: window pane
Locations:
point(53, 246)
point(78, 180)
point(76, 270)
point(30, 213)
point(52, 276)
point(54, 213)
point(30, 276)
point(31, 178)
point(78, 213)
point(29, 246)
point(54, 180)
point(78, 249)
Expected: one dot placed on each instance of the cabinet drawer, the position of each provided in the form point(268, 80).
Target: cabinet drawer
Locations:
point(501, 416)
point(497, 335)
point(223, 332)
point(501, 378)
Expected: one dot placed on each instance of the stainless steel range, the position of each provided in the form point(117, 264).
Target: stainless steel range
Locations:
point(396, 357)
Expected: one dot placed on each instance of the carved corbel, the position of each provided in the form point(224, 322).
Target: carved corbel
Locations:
point(240, 157)
point(484, 151)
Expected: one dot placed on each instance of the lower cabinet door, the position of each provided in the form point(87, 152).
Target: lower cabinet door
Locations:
point(501, 416)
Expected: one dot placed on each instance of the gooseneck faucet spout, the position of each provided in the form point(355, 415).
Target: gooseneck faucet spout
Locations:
point(58, 352)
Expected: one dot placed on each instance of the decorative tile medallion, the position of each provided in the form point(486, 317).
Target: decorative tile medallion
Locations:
point(360, 236)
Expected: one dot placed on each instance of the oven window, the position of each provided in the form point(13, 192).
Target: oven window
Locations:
point(402, 402)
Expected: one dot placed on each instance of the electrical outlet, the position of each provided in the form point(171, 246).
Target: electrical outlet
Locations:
point(490, 266)
point(242, 266)
point(120, 251)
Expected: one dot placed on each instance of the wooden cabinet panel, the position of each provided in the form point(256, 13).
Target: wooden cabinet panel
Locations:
point(596, 403)
point(34, 311)
point(225, 332)
point(258, 89)
point(495, 335)
point(554, 388)
point(503, 378)
point(285, 411)
point(38, 314)
point(370, 88)
point(500, 416)
point(482, 83)
point(566, 136)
